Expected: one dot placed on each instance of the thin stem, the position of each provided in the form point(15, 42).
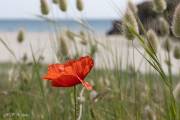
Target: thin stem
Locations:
point(173, 103)
point(133, 58)
point(134, 72)
point(169, 68)
point(75, 112)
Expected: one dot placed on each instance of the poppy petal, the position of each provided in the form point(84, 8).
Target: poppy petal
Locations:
point(69, 81)
point(83, 66)
point(65, 81)
point(70, 73)
point(54, 71)
point(86, 63)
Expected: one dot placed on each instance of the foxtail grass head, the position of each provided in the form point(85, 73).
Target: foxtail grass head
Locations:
point(83, 42)
point(63, 5)
point(70, 34)
point(63, 49)
point(93, 49)
point(25, 57)
point(55, 1)
point(83, 37)
point(129, 22)
point(176, 92)
point(159, 5)
point(152, 40)
point(44, 7)
point(166, 45)
point(20, 36)
point(176, 22)
point(79, 5)
point(164, 27)
point(176, 52)
point(132, 6)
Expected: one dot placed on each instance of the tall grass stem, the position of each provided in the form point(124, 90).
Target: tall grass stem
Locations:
point(75, 107)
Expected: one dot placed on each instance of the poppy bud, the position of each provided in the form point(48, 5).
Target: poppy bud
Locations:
point(129, 21)
point(176, 22)
point(152, 40)
point(164, 27)
point(159, 5)
point(63, 5)
point(176, 52)
point(20, 36)
point(44, 7)
point(79, 5)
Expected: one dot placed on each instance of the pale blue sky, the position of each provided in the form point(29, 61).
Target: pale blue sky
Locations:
point(98, 9)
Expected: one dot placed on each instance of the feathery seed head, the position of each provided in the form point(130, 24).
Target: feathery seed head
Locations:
point(132, 6)
point(176, 22)
point(20, 36)
point(83, 42)
point(164, 27)
point(44, 7)
point(168, 62)
point(166, 45)
point(83, 38)
point(82, 33)
point(63, 49)
point(24, 58)
point(93, 49)
point(70, 34)
point(55, 1)
point(152, 40)
point(176, 52)
point(129, 21)
point(79, 5)
point(63, 5)
point(159, 5)
point(176, 92)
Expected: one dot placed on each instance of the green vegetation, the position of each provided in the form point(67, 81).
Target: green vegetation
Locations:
point(118, 94)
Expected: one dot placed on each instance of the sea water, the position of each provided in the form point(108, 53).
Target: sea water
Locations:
point(10, 25)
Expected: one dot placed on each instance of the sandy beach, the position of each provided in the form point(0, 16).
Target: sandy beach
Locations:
point(44, 44)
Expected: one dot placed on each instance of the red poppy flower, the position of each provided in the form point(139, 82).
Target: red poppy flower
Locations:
point(70, 73)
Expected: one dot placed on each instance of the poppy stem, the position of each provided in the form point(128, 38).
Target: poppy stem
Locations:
point(75, 107)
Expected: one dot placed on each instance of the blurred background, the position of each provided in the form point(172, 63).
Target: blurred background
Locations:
point(134, 43)
point(19, 14)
